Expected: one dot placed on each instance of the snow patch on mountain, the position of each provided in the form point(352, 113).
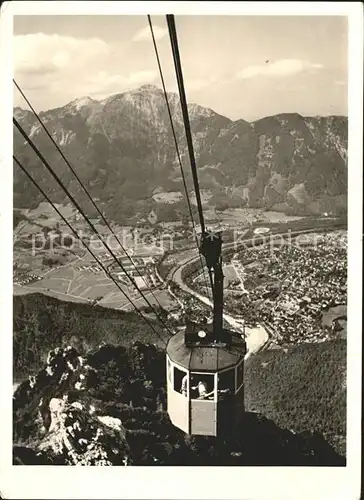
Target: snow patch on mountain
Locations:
point(81, 102)
point(66, 137)
point(34, 130)
point(196, 110)
point(223, 132)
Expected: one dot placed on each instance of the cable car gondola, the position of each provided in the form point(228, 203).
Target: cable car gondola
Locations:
point(205, 364)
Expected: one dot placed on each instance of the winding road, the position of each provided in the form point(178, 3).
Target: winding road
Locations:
point(255, 338)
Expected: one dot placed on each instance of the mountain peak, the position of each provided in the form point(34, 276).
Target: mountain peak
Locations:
point(149, 88)
point(80, 102)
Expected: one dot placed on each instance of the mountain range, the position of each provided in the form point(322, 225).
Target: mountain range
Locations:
point(123, 149)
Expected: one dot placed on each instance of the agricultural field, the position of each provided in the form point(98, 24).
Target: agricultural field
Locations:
point(238, 216)
point(70, 281)
point(72, 274)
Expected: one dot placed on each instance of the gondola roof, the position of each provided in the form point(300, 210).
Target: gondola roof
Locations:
point(209, 358)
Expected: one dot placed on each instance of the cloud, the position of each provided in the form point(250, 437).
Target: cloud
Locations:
point(103, 84)
point(279, 68)
point(144, 34)
point(61, 59)
point(57, 69)
point(142, 77)
point(200, 83)
point(196, 84)
point(104, 80)
point(34, 68)
point(37, 52)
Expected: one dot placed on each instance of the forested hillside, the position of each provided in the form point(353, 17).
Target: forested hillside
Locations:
point(41, 323)
point(301, 388)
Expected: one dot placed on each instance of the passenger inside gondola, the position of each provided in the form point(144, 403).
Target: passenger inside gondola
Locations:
point(180, 379)
point(202, 387)
point(184, 385)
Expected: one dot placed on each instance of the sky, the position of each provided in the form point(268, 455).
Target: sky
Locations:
point(240, 66)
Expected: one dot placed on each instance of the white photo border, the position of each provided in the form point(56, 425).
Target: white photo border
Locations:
point(146, 482)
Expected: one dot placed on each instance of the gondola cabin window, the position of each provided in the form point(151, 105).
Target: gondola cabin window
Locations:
point(226, 384)
point(180, 381)
point(202, 386)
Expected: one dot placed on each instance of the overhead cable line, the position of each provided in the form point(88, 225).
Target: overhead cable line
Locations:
point(178, 69)
point(85, 189)
point(186, 121)
point(76, 204)
point(87, 247)
point(177, 147)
